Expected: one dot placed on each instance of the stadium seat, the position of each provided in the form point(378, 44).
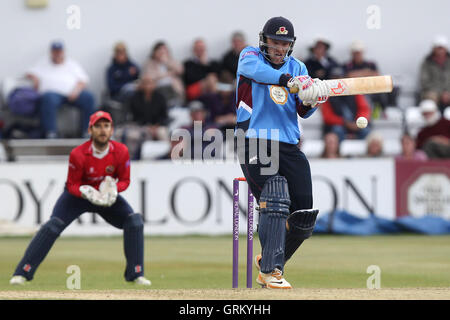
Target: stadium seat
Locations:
point(353, 148)
point(389, 129)
point(3, 154)
point(358, 148)
point(311, 131)
point(118, 110)
point(41, 149)
point(312, 148)
point(179, 117)
point(394, 114)
point(311, 128)
point(392, 147)
point(68, 121)
point(151, 150)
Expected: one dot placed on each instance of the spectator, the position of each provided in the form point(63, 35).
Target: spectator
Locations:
point(331, 146)
point(148, 106)
point(199, 70)
point(121, 74)
point(320, 64)
point(231, 58)
point(435, 74)
point(340, 114)
point(409, 151)
point(358, 66)
point(149, 118)
point(223, 114)
point(434, 138)
point(197, 130)
point(167, 73)
point(374, 145)
point(61, 80)
point(220, 111)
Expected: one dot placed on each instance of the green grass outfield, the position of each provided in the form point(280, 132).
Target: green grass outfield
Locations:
point(201, 262)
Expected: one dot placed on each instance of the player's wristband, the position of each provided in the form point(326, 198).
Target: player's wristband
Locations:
point(284, 78)
point(306, 107)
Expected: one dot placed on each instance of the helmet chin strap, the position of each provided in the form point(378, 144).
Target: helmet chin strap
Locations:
point(267, 56)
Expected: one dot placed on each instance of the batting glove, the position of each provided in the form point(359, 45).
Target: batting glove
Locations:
point(108, 190)
point(316, 94)
point(299, 83)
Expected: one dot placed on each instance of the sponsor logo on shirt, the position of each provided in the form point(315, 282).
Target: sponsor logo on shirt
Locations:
point(249, 53)
point(110, 169)
point(278, 94)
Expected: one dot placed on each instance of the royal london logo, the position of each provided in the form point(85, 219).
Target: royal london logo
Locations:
point(282, 30)
point(278, 94)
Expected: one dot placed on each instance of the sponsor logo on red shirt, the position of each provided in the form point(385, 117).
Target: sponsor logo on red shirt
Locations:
point(110, 169)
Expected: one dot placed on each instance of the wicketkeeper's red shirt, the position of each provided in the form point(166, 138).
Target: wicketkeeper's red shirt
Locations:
point(85, 169)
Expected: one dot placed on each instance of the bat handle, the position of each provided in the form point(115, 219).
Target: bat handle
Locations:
point(293, 90)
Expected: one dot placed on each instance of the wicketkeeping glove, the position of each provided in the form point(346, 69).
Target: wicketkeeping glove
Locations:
point(108, 190)
point(317, 93)
point(93, 195)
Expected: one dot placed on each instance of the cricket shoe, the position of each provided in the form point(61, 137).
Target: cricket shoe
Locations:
point(142, 281)
point(18, 280)
point(273, 280)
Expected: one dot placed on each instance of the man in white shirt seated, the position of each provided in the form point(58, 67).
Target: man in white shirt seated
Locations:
point(61, 80)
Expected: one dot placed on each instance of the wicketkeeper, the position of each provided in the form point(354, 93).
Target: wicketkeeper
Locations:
point(99, 170)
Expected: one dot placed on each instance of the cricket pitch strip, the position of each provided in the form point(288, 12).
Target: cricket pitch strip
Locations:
point(234, 294)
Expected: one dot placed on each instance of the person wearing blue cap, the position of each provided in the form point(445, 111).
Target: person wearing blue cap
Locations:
point(61, 80)
point(57, 45)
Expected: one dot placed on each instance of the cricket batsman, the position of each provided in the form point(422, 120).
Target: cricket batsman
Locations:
point(267, 112)
point(99, 170)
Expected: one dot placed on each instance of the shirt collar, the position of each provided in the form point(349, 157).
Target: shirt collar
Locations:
point(90, 150)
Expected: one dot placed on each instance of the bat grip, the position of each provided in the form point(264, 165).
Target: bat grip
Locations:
point(293, 90)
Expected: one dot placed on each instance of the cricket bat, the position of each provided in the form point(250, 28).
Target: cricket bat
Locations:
point(354, 86)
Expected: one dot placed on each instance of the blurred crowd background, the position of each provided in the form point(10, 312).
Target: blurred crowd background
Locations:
point(52, 99)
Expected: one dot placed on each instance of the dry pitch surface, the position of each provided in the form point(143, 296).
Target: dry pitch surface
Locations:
point(237, 294)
